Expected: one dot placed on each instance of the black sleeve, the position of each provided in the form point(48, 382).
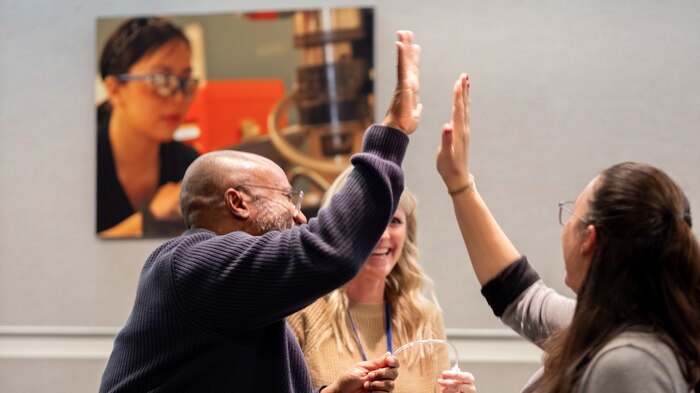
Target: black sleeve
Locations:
point(503, 289)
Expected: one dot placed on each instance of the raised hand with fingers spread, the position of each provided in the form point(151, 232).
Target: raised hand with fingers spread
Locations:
point(489, 248)
point(405, 108)
point(387, 304)
point(453, 153)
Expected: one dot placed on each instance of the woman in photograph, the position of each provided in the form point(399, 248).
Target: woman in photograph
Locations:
point(146, 69)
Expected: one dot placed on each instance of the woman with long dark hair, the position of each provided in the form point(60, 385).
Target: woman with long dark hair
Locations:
point(630, 257)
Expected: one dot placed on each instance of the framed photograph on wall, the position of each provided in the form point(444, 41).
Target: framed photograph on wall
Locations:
point(295, 86)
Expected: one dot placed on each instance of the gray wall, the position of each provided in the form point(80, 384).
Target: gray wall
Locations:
point(560, 90)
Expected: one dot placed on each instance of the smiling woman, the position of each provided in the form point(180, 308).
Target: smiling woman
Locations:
point(145, 66)
point(381, 309)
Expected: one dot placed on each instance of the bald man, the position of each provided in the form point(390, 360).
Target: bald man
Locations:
point(255, 190)
point(210, 304)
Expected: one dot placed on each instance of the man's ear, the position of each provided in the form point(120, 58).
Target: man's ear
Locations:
point(236, 204)
point(591, 240)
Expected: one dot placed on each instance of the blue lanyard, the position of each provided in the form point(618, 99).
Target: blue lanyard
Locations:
point(387, 320)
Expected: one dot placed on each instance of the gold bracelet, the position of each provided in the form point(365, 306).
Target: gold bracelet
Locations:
point(464, 188)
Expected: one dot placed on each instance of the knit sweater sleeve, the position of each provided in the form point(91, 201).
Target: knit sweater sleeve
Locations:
point(238, 282)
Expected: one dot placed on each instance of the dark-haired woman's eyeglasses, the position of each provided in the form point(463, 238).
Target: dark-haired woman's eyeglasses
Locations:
point(165, 85)
point(566, 211)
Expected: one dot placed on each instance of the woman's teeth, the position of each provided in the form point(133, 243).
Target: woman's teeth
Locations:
point(381, 251)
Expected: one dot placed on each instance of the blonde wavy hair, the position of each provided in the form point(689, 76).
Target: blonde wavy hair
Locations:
point(405, 288)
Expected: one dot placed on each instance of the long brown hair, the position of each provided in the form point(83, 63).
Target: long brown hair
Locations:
point(645, 275)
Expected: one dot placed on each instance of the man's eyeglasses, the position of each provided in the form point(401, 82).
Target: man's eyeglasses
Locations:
point(294, 196)
point(165, 85)
point(566, 211)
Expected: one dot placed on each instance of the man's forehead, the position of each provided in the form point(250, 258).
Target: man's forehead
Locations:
point(248, 168)
point(270, 176)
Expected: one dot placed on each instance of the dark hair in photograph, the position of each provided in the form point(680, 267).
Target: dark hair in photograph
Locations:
point(133, 39)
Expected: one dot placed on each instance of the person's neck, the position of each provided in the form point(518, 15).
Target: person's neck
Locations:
point(368, 291)
point(130, 147)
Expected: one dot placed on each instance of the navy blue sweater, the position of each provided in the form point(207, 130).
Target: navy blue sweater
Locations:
point(209, 310)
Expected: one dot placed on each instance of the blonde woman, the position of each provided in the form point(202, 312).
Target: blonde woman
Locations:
point(381, 309)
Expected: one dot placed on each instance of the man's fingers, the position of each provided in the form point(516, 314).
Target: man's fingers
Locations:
point(413, 58)
point(415, 55)
point(405, 109)
point(405, 36)
point(408, 56)
point(299, 218)
point(404, 49)
point(400, 69)
point(415, 113)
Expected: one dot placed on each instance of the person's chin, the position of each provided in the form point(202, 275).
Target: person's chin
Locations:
point(378, 261)
point(164, 136)
point(568, 283)
point(376, 271)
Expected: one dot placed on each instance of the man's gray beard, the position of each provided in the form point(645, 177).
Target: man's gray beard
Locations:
point(272, 219)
